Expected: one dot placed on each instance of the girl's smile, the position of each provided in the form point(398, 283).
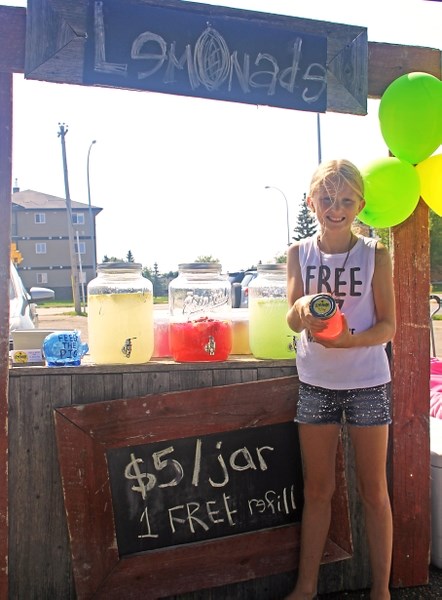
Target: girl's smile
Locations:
point(336, 205)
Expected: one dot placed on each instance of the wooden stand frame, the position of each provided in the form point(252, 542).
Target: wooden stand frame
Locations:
point(85, 433)
point(386, 62)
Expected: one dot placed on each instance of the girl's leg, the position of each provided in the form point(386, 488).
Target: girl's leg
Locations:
point(318, 447)
point(370, 445)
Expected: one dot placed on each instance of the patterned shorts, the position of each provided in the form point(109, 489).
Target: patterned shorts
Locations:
point(363, 407)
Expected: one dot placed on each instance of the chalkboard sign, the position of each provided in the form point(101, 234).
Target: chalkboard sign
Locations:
point(230, 57)
point(200, 488)
point(157, 484)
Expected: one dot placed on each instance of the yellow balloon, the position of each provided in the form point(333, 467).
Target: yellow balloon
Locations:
point(430, 175)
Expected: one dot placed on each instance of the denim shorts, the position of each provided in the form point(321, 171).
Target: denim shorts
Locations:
point(363, 407)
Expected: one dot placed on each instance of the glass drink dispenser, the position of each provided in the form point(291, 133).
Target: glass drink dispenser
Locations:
point(200, 327)
point(269, 334)
point(120, 315)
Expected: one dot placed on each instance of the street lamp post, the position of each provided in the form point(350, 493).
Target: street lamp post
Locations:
point(91, 217)
point(74, 265)
point(272, 187)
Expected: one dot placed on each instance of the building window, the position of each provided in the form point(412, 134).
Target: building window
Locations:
point(40, 218)
point(40, 248)
point(42, 278)
point(77, 218)
point(81, 246)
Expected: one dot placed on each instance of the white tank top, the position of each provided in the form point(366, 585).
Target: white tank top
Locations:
point(342, 368)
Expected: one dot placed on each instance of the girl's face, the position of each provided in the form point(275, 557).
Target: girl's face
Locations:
point(336, 205)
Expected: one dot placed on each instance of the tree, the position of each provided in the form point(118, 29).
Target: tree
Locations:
point(147, 273)
point(130, 257)
point(306, 224)
point(160, 281)
point(156, 280)
point(107, 258)
point(281, 258)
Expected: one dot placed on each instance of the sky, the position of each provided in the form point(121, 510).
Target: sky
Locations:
point(179, 178)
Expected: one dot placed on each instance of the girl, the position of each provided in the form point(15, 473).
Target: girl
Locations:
point(344, 379)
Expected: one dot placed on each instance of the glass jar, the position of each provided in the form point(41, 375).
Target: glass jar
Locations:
point(269, 334)
point(240, 331)
point(324, 306)
point(120, 315)
point(161, 347)
point(200, 327)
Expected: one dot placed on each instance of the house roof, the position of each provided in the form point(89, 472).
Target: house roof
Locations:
point(33, 200)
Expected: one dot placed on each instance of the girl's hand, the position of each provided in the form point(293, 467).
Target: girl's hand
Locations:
point(308, 321)
point(344, 339)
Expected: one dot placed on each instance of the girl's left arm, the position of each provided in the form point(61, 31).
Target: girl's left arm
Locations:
point(383, 293)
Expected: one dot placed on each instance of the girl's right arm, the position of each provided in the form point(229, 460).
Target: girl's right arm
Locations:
point(299, 316)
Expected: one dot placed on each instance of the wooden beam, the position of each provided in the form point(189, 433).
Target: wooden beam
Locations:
point(5, 250)
point(12, 35)
point(61, 47)
point(410, 452)
point(387, 62)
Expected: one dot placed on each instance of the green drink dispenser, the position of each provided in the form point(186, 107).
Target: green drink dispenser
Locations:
point(269, 335)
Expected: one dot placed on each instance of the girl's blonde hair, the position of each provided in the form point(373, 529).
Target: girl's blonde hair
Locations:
point(333, 172)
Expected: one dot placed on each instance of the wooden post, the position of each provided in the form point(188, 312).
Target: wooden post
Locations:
point(5, 249)
point(12, 34)
point(410, 452)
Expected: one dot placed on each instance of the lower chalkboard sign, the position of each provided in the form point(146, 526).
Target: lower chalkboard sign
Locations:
point(198, 488)
point(186, 490)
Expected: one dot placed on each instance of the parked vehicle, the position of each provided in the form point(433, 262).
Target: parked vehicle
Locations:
point(235, 279)
point(22, 304)
point(236, 276)
point(240, 291)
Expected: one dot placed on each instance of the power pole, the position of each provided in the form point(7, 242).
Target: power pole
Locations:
point(74, 266)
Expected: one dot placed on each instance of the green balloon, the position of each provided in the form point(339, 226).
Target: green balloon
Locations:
point(410, 116)
point(392, 190)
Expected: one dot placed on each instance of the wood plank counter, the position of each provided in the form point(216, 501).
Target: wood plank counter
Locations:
point(40, 564)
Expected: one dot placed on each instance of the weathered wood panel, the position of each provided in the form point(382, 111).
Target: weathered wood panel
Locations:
point(57, 31)
point(410, 465)
point(387, 62)
point(38, 536)
point(5, 237)
point(12, 35)
point(40, 563)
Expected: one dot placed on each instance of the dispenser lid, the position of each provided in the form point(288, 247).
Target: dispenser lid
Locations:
point(119, 266)
point(272, 268)
point(213, 267)
point(323, 306)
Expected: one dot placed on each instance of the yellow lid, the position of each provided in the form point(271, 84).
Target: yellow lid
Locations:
point(323, 306)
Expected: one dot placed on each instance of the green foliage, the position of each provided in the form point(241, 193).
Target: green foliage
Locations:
point(206, 259)
point(147, 273)
point(281, 258)
point(107, 258)
point(160, 281)
point(383, 235)
point(306, 224)
point(130, 257)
